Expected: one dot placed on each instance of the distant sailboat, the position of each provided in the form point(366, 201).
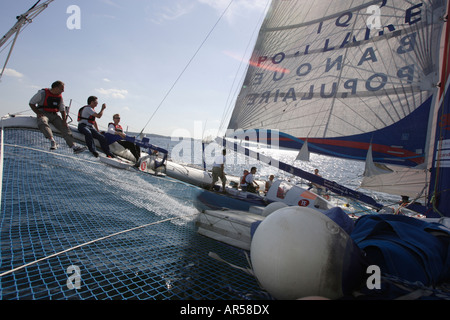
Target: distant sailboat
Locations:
point(346, 77)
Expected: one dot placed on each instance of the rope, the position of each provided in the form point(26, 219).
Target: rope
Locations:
point(444, 81)
point(86, 244)
point(229, 104)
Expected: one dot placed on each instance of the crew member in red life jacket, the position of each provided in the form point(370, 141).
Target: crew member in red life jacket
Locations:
point(46, 103)
point(115, 133)
point(248, 183)
point(88, 126)
point(242, 182)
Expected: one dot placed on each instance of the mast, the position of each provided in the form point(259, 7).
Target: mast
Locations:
point(22, 21)
point(439, 192)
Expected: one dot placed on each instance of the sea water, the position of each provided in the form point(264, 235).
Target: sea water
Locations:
point(348, 173)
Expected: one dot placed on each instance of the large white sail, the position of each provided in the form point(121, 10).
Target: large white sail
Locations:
point(359, 80)
point(346, 75)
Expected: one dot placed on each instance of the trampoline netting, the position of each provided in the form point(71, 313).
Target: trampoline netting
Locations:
point(73, 228)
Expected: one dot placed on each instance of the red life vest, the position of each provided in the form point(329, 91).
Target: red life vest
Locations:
point(91, 119)
point(243, 178)
point(118, 127)
point(51, 101)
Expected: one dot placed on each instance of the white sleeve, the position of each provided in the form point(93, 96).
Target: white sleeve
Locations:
point(61, 106)
point(111, 129)
point(38, 98)
point(88, 112)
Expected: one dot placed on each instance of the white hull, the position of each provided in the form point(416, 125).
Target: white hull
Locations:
point(232, 227)
point(189, 174)
point(235, 227)
point(116, 162)
point(29, 122)
point(199, 177)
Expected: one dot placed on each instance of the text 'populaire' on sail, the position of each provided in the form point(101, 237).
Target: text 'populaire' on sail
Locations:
point(353, 76)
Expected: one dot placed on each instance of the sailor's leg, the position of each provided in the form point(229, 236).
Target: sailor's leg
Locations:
point(84, 129)
point(44, 127)
point(63, 129)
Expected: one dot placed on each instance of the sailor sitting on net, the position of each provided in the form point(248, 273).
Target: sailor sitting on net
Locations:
point(248, 183)
point(116, 133)
point(87, 125)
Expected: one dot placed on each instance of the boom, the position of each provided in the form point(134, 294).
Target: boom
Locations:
point(22, 21)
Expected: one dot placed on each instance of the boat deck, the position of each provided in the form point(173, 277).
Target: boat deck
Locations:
point(72, 227)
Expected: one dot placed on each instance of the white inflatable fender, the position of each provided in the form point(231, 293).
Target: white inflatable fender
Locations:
point(274, 206)
point(298, 252)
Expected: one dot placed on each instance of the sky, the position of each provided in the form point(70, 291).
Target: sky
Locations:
point(143, 58)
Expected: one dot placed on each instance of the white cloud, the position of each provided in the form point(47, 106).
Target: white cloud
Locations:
point(238, 9)
point(13, 73)
point(111, 3)
point(106, 80)
point(113, 93)
point(172, 12)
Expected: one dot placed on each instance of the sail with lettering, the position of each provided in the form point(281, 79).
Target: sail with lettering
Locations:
point(349, 77)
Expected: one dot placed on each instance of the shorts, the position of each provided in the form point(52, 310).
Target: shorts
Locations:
point(218, 173)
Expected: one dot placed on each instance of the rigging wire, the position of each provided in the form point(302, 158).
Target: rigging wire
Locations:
point(22, 22)
point(187, 65)
point(229, 104)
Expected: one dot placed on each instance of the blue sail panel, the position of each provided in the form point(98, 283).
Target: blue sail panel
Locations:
point(408, 133)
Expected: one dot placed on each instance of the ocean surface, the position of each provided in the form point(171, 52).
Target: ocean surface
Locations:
point(343, 171)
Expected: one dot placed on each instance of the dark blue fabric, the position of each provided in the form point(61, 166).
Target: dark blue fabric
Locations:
point(405, 247)
point(111, 138)
point(253, 228)
point(90, 133)
point(341, 218)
